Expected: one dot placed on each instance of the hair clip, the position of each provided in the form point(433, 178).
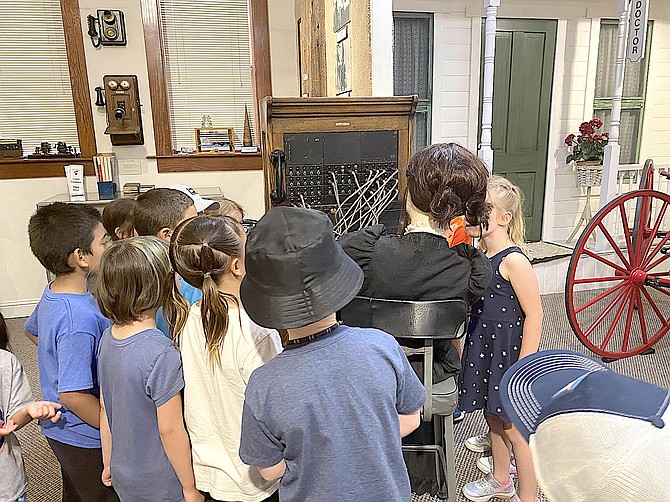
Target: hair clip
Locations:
point(207, 274)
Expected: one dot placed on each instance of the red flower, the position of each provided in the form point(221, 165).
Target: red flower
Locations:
point(606, 135)
point(569, 139)
point(586, 128)
point(596, 122)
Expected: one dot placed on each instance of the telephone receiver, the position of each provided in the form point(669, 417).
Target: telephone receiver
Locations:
point(93, 30)
point(278, 195)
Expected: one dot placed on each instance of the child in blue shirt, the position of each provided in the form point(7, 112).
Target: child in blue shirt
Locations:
point(66, 325)
point(328, 413)
point(146, 451)
point(157, 213)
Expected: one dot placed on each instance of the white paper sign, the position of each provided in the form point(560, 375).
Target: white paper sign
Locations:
point(637, 29)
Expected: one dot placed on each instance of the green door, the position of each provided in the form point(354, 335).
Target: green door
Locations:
point(523, 75)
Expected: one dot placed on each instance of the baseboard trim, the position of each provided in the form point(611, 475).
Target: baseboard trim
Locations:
point(19, 308)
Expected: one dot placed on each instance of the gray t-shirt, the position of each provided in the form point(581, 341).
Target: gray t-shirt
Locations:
point(138, 375)
point(14, 395)
point(330, 409)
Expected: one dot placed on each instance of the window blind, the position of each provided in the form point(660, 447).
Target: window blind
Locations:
point(634, 91)
point(208, 66)
point(35, 93)
point(412, 63)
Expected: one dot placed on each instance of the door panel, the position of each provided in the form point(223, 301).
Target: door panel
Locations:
point(523, 75)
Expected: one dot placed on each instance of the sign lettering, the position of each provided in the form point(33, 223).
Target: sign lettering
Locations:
point(637, 30)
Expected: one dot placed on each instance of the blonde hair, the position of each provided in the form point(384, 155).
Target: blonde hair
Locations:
point(201, 251)
point(507, 197)
point(131, 274)
point(227, 207)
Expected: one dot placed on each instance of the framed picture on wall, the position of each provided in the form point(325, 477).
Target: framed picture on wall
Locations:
point(341, 14)
point(343, 67)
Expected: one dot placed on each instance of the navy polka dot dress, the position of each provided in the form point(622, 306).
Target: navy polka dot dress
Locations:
point(492, 344)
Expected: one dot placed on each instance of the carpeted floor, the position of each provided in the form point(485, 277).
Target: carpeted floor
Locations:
point(44, 474)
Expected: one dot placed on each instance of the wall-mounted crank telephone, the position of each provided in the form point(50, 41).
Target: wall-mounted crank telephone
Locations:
point(123, 109)
point(108, 28)
point(278, 159)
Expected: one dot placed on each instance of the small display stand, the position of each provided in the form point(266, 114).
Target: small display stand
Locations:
point(589, 175)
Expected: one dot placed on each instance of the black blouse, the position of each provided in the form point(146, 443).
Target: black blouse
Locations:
point(419, 266)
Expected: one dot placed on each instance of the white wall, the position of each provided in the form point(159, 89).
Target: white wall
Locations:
point(456, 60)
point(21, 276)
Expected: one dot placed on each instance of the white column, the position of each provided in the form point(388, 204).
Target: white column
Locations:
point(485, 150)
point(611, 156)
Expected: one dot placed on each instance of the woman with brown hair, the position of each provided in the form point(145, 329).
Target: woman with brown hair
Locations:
point(443, 181)
point(220, 348)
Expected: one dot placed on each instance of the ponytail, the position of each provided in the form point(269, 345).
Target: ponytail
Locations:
point(506, 196)
point(214, 308)
point(175, 308)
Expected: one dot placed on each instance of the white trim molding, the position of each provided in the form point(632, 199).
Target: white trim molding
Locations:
point(18, 308)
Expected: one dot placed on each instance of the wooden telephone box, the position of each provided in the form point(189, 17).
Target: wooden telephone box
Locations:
point(308, 144)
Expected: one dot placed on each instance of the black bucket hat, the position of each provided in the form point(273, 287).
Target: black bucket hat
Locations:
point(296, 273)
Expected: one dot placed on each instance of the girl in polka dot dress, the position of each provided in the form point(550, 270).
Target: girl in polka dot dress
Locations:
point(505, 326)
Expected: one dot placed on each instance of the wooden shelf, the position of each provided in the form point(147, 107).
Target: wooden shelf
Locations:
point(13, 169)
point(209, 162)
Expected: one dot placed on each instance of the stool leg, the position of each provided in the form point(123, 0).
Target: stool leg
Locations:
point(451, 457)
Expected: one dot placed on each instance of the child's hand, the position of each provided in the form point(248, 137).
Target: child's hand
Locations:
point(6, 428)
point(40, 410)
point(193, 495)
point(106, 476)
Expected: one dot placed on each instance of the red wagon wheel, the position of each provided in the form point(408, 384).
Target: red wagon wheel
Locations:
point(617, 293)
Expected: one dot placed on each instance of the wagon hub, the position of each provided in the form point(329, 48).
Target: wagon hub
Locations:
point(638, 276)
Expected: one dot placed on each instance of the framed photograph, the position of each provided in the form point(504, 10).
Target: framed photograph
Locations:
point(214, 140)
point(341, 14)
point(343, 67)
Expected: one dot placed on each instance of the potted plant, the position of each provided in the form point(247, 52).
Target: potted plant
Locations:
point(586, 151)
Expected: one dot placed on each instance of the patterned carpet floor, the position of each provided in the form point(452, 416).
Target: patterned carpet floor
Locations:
point(44, 473)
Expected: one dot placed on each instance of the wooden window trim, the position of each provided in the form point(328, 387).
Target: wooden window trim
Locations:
point(160, 105)
point(53, 167)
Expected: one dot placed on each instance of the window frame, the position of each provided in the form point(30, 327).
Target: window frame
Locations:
point(424, 105)
point(261, 79)
point(631, 103)
point(25, 168)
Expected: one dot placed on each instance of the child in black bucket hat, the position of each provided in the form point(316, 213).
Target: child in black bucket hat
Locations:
point(326, 415)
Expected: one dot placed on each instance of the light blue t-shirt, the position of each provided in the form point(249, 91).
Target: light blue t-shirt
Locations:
point(139, 374)
point(68, 328)
point(192, 296)
point(330, 409)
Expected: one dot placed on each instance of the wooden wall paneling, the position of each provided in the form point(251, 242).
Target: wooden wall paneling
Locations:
point(81, 97)
point(261, 69)
point(160, 105)
point(319, 69)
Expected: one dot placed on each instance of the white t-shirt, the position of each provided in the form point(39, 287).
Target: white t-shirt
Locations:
point(213, 400)
point(14, 395)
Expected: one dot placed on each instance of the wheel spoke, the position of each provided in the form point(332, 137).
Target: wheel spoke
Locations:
point(626, 230)
point(602, 279)
point(660, 245)
point(656, 263)
point(604, 313)
point(652, 236)
point(629, 319)
point(614, 245)
point(640, 314)
point(617, 316)
point(604, 261)
point(599, 297)
point(653, 305)
point(660, 290)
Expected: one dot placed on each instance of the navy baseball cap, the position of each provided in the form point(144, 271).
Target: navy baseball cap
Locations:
point(594, 434)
